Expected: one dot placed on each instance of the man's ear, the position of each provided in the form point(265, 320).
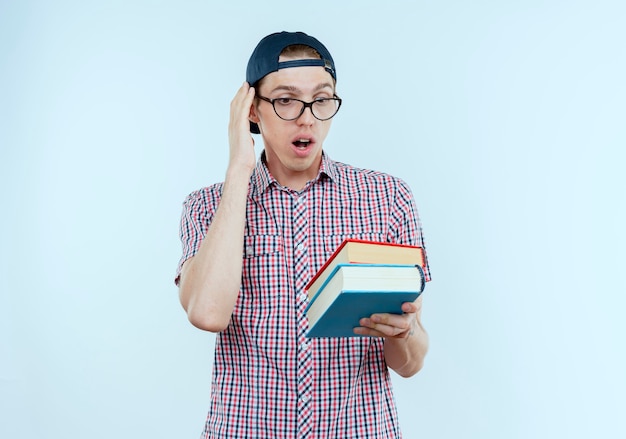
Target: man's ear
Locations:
point(253, 116)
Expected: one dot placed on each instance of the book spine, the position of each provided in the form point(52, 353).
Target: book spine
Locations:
point(422, 277)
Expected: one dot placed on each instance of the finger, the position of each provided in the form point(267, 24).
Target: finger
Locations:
point(367, 332)
point(240, 108)
point(240, 98)
point(247, 94)
point(387, 325)
point(409, 307)
point(402, 321)
point(249, 101)
point(380, 331)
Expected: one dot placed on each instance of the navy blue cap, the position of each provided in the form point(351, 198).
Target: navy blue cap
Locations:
point(264, 59)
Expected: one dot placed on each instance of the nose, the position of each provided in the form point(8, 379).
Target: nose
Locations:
point(306, 118)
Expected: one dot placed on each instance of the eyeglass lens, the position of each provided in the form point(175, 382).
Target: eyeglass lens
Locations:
point(290, 109)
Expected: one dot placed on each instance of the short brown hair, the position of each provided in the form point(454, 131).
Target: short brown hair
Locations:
point(300, 50)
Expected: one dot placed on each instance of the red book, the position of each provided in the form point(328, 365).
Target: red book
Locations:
point(356, 251)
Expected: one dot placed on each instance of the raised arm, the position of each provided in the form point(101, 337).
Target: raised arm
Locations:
point(210, 280)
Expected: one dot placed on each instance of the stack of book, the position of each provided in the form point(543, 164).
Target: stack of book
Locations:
point(359, 279)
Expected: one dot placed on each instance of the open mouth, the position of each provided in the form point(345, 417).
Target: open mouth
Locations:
point(302, 143)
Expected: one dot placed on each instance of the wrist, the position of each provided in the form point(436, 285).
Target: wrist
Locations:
point(238, 172)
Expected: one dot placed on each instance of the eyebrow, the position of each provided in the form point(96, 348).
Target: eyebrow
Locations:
point(297, 90)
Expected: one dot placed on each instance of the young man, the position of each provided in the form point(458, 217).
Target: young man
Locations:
point(252, 243)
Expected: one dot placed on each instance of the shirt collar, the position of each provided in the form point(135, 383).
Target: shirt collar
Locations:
point(328, 168)
point(261, 178)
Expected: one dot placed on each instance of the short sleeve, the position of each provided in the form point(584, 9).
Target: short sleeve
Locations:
point(406, 223)
point(198, 210)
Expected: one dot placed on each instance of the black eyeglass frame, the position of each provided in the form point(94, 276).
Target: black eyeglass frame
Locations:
point(304, 106)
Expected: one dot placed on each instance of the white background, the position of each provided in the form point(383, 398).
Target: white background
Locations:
point(505, 117)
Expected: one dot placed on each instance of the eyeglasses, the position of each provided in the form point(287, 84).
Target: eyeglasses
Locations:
point(291, 109)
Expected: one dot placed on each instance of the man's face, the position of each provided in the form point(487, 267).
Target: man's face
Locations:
point(293, 148)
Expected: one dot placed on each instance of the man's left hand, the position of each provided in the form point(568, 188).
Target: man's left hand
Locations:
point(392, 325)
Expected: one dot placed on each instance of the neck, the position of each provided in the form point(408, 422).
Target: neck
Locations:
point(292, 178)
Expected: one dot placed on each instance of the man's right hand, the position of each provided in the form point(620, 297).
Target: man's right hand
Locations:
point(241, 142)
point(210, 280)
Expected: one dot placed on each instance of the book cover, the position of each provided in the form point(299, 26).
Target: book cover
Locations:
point(357, 251)
point(354, 291)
